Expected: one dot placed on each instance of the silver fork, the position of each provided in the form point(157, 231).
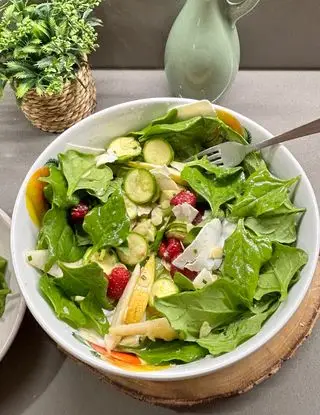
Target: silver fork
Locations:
point(231, 154)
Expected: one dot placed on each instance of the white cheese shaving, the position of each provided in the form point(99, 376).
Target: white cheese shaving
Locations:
point(185, 212)
point(162, 176)
point(198, 255)
point(84, 149)
point(107, 157)
point(143, 210)
point(204, 278)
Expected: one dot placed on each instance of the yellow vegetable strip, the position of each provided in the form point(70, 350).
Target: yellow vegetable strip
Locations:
point(140, 296)
point(119, 315)
point(153, 329)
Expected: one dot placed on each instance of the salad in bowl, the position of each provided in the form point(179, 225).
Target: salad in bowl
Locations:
point(156, 262)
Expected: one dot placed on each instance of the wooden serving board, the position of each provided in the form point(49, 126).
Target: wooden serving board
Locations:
point(237, 378)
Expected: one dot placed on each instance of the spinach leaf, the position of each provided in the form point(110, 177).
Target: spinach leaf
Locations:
point(263, 193)
point(81, 172)
point(64, 308)
point(4, 290)
point(57, 189)
point(95, 314)
point(287, 208)
point(280, 228)
point(57, 235)
point(169, 118)
point(253, 162)
point(182, 282)
point(190, 136)
point(161, 352)
point(219, 172)
point(236, 333)
point(277, 274)
point(115, 185)
point(83, 280)
point(216, 193)
point(82, 237)
point(218, 304)
point(108, 225)
point(245, 253)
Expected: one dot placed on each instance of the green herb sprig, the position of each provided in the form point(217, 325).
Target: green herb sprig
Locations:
point(43, 45)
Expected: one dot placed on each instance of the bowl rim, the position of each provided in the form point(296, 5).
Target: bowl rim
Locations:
point(159, 375)
point(21, 306)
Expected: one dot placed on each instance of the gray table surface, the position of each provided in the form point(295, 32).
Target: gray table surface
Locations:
point(35, 377)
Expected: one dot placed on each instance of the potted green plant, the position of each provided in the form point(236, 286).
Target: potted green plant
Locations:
point(43, 57)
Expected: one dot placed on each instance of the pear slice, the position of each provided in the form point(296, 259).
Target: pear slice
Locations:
point(153, 329)
point(141, 293)
point(120, 312)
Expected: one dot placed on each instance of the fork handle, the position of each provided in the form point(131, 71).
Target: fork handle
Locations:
point(302, 131)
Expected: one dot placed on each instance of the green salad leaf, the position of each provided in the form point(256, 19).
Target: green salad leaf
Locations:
point(4, 290)
point(83, 280)
point(215, 192)
point(219, 172)
point(114, 186)
point(57, 235)
point(287, 208)
point(95, 314)
point(64, 308)
point(108, 225)
point(253, 162)
point(278, 273)
point(263, 193)
point(182, 282)
point(82, 237)
point(280, 228)
point(236, 333)
point(245, 253)
point(161, 352)
point(217, 304)
point(81, 172)
point(169, 118)
point(57, 188)
point(190, 136)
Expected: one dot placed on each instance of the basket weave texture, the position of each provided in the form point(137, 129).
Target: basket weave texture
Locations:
point(56, 113)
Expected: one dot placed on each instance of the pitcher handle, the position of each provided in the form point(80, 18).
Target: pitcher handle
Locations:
point(237, 10)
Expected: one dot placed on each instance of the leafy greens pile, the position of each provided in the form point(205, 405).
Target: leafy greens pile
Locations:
point(42, 45)
point(260, 260)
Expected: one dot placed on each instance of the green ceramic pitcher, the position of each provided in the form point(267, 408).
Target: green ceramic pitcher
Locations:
point(203, 52)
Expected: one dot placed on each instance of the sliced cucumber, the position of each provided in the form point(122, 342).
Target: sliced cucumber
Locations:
point(125, 148)
point(158, 151)
point(163, 287)
point(177, 230)
point(135, 252)
point(156, 194)
point(140, 186)
point(146, 229)
point(131, 208)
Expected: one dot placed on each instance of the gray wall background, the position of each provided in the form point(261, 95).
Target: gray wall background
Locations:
point(277, 34)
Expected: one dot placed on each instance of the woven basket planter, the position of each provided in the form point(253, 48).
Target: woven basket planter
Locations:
point(56, 113)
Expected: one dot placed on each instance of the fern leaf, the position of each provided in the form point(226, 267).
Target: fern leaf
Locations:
point(23, 87)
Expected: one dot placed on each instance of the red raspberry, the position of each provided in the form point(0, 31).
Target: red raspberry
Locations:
point(163, 251)
point(185, 196)
point(118, 279)
point(79, 212)
point(186, 272)
point(174, 248)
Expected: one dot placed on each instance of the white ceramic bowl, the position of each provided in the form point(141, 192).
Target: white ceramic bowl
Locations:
point(97, 130)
